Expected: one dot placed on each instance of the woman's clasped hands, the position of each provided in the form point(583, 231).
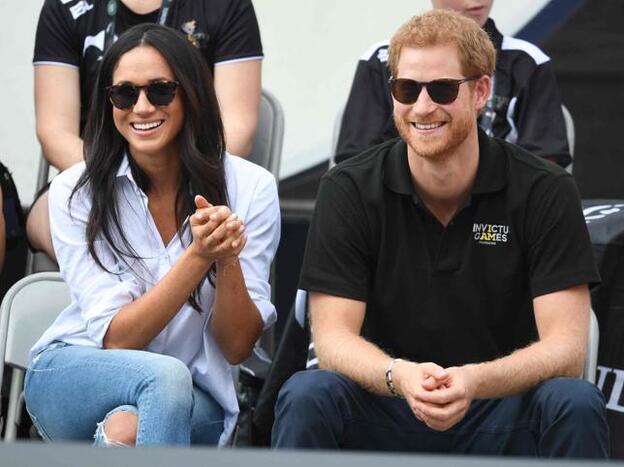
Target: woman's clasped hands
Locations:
point(218, 233)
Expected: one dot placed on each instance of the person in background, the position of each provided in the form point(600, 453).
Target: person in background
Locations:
point(73, 35)
point(448, 277)
point(165, 242)
point(524, 106)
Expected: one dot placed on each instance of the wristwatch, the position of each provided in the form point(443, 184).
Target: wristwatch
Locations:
point(389, 382)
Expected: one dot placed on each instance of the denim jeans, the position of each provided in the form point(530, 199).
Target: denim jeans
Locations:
point(562, 417)
point(70, 390)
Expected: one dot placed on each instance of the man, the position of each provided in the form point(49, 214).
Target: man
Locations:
point(448, 275)
point(524, 108)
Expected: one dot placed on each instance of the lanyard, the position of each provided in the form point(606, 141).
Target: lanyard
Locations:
point(111, 9)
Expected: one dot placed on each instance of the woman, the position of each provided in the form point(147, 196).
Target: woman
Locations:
point(169, 286)
point(71, 40)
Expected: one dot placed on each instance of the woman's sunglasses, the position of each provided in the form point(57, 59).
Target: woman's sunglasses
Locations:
point(441, 91)
point(125, 95)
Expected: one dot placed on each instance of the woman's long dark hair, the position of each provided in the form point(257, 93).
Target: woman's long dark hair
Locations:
point(201, 139)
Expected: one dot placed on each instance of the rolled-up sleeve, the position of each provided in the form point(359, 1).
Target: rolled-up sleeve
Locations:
point(262, 222)
point(99, 293)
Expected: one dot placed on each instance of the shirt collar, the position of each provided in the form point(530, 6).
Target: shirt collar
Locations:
point(491, 172)
point(124, 170)
point(495, 36)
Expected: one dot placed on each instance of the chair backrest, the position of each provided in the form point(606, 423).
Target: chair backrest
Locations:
point(591, 355)
point(569, 124)
point(27, 310)
point(267, 147)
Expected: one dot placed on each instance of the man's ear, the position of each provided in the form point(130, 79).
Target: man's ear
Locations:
point(482, 89)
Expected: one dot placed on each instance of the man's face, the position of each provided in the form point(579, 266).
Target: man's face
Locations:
point(479, 10)
point(432, 130)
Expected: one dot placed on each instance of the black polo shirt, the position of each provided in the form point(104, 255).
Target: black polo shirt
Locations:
point(456, 294)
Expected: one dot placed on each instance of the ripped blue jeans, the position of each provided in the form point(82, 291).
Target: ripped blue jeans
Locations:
point(71, 390)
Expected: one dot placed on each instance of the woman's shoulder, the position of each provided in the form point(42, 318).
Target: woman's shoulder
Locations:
point(245, 172)
point(64, 182)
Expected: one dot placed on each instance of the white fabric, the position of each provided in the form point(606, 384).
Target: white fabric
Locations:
point(97, 295)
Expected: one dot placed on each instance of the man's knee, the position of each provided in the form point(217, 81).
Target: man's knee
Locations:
point(572, 398)
point(308, 391)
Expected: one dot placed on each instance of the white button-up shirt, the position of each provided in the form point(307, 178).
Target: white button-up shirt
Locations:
point(97, 295)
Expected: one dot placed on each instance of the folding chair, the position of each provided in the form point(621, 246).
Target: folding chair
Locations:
point(569, 123)
point(28, 309)
point(267, 147)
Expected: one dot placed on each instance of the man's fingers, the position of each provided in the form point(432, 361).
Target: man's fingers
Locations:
point(440, 396)
point(434, 371)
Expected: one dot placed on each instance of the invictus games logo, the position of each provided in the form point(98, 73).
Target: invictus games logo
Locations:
point(490, 234)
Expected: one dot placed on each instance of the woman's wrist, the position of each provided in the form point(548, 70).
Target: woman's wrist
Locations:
point(227, 262)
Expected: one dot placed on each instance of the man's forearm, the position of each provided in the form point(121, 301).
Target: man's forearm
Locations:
point(356, 358)
point(523, 369)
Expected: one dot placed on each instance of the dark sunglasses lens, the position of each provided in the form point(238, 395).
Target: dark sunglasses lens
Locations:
point(124, 96)
point(161, 93)
point(443, 92)
point(405, 91)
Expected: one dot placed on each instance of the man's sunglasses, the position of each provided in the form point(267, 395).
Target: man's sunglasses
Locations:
point(441, 91)
point(125, 95)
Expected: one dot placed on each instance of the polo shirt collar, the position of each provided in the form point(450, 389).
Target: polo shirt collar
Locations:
point(397, 175)
point(491, 172)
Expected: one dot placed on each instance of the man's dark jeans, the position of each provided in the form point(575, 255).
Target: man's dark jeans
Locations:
point(562, 417)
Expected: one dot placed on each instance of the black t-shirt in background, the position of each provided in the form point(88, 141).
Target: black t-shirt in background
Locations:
point(72, 33)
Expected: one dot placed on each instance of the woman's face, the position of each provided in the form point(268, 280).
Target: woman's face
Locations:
point(149, 129)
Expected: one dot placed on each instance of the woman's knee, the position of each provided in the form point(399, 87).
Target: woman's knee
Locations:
point(119, 427)
point(172, 379)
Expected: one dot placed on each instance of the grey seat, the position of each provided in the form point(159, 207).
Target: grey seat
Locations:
point(569, 123)
point(267, 147)
point(27, 310)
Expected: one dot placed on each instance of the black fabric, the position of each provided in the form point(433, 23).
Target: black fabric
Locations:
point(521, 235)
point(520, 81)
point(15, 225)
point(605, 221)
point(290, 357)
point(70, 33)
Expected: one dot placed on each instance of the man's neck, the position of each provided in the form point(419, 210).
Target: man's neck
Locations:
point(444, 183)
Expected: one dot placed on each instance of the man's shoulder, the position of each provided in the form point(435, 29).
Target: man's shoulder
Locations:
point(365, 167)
point(377, 53)
point(528, 171)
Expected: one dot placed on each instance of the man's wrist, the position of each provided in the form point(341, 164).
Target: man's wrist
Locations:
point(389, 377)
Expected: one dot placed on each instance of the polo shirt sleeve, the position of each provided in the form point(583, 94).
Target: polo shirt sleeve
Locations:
point(366, 114)
point(238, 36)
point(54, 41)
point(539, 118)
point(99, 293)
point(337, 257)
point(559, 249)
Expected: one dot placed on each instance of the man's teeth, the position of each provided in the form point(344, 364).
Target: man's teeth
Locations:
point(428, 126)
point(147, 126)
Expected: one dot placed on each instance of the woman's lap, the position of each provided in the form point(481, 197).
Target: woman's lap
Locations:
point(70, 389)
